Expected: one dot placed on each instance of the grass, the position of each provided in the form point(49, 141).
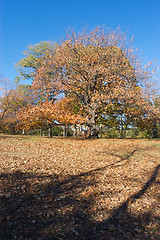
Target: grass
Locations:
point(79, 189)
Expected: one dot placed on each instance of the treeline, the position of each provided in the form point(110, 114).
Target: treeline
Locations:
point(92, 84)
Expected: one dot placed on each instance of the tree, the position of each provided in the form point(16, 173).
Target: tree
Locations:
point(11, 101)
point(48, 112)
point(34, 55)
point(32, 61)
point(5, 97)
point(156, 118)
point(100, 73)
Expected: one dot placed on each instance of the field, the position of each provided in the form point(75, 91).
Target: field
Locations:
point(61, 189)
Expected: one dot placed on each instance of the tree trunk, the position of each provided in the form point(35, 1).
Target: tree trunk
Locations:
point(13, 132)
point(49, 131)
point(100, 131)
point(43, 133)
point(122, 130)
point(75, 130)
point(155, 135)
point(2, 116)
point(93, 130)
point(64, 131)
point(86, 131)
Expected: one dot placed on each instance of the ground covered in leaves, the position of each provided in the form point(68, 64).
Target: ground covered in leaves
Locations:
point(61, 189)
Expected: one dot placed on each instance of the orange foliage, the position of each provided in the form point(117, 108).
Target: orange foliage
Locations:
point(99, 72)
point(59, 111)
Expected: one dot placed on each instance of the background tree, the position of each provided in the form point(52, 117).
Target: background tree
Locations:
point(6, 97)
point(31, 62)
point(11, 101)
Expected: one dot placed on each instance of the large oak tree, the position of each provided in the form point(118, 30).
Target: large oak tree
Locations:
point(101, 73)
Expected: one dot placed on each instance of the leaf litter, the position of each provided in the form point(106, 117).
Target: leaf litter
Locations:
point(54, 188)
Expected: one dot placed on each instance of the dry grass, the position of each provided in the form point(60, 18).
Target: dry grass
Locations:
point(79, 189)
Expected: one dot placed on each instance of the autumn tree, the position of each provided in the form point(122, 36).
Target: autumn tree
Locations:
point(49, 112)
point(101, 73)
point(11, 101)
point(45, 111)
point(5, 98)
point(26, 69)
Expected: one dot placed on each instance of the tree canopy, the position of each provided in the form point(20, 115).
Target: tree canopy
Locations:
point(100, 76)
point(100, 73)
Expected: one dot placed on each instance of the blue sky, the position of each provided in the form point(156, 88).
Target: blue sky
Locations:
point(26, 22)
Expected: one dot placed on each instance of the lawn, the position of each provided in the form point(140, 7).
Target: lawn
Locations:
point(59, 189)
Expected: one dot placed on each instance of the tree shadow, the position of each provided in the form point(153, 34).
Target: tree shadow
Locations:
point(37, 206)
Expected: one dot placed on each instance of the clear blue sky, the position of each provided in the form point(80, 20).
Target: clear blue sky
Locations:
point(26, 22)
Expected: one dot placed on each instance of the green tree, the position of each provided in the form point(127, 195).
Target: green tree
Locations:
point(32, 60)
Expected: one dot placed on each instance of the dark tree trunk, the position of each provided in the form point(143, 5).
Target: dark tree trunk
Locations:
point(93, 128)
point(154, 129)
point(2, 116)
point(93, 131)
point(100, 131)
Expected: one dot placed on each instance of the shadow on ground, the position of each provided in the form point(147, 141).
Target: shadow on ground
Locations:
point(34, 207)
